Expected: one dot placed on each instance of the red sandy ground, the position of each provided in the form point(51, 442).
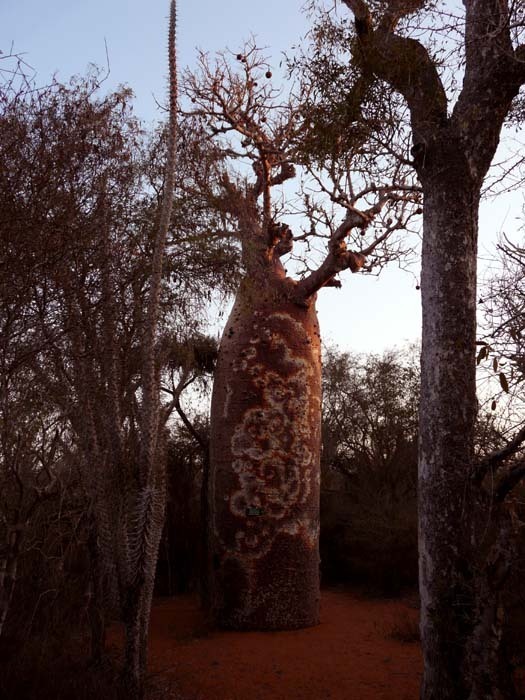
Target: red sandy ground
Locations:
point(351, 655)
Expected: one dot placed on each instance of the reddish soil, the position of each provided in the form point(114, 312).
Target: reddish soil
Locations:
point(352, 655)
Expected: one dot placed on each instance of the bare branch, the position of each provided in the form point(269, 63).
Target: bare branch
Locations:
point(405, 64)
point(515, 476)
point(337, 260)
point(493, 460)
point(519, 63)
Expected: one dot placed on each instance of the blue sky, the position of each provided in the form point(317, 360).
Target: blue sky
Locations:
point(369, 314)
point(63, 36)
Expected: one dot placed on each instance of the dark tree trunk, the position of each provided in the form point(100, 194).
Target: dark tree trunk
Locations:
point(265, 473)
point(8, 574)
point(447, 421)
point(97, 608)
point(136, 620)
point(460, 626)
point(488, 667)
point(204, 559)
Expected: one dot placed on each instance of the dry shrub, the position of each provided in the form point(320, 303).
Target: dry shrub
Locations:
point(178, 568)
point(46, 670)
point(514, 606)
point(404, 628)
point(369, 530)
point(369, 470)
point(46, 645)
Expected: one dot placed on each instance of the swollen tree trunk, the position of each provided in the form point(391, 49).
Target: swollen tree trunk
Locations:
point(265, 474)
point(204, 519)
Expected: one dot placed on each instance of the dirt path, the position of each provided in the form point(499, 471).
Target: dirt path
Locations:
point(351, 655)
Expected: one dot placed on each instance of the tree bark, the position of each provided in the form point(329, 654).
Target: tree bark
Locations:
point(204, 519)
point(447, 418)
point(8, 575)
point(488, 668)
point(265, 464)
point(96, 606)
point(136, 618)
point(460, 625)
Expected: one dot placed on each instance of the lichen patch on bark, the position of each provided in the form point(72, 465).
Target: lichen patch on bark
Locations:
point(270, 443)
point(265, 469)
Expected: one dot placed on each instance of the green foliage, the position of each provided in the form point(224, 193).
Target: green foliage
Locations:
point(346, 113)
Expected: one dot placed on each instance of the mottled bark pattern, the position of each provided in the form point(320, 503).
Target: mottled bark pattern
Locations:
point(447, 420)
point(265, 444)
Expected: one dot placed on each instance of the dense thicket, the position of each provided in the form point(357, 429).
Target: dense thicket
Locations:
point(81, 182)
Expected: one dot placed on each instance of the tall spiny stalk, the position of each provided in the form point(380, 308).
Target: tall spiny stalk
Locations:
point(145, 513)
point(150, 385)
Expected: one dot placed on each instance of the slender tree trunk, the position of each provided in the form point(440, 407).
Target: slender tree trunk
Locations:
point(146, 523)
point(97, 608)
point(452, 153)
point(204, 519)
point(461, 577)
point(134, 669)
point(264, 471)
point(447, 421)
point(136, 593)
point(137, 615)
point(8, 572)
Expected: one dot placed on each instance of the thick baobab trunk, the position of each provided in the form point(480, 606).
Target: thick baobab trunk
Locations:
point(203, 568)
point(264, 480)
point(447, 420)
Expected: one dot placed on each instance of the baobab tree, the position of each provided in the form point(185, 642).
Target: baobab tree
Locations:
point(265, 413)
point(455, 134)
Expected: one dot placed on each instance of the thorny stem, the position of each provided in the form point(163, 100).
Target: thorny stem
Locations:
point(150, 405)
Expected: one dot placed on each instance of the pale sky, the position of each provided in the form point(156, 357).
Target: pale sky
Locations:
point(64, 36)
